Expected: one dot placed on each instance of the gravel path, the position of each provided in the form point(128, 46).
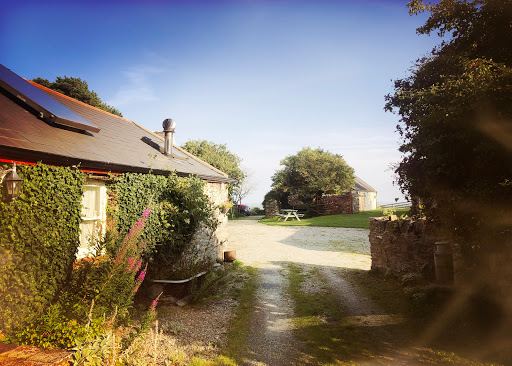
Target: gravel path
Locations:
point(271, 249)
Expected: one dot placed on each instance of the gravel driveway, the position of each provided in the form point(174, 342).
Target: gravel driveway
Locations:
point(271, 249)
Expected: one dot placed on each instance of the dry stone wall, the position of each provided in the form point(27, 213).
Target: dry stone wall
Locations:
point(207, 245)
point(327, 204)
point(357, 201)
point(402, 246)
point(212, 243)
point(334, 204)
point(271, 208)
point(408, 246)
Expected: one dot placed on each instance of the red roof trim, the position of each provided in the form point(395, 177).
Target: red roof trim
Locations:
point(15, 161)
point(84, 170)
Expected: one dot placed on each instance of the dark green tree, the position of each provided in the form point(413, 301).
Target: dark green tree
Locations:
point(456, 120)
point(311, 173)
point(78, 89)
point(219, 157)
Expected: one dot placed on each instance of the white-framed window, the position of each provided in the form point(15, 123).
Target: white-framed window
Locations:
point(94, 214)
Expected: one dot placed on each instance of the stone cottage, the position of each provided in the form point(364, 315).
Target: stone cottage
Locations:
point(41, 125)
point(364, 195)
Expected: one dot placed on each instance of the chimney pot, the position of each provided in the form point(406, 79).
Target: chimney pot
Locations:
point(169, 125)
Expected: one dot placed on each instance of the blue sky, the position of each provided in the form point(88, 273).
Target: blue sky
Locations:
point(267, 78)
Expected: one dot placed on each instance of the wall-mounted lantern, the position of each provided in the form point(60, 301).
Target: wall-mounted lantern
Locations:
point(11, 184)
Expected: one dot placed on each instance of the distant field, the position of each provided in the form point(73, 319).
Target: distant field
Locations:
point(357, 220)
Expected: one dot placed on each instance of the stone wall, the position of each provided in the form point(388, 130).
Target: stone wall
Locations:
point(207, 246)
point(483, 282)
point(331, 204)
point(402, 246)
point(271, 208)
point(408, 245)
point(334, 204)
point(357, 201)
point(215, 242)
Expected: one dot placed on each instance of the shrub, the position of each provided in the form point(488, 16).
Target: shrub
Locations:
point(179, 206)
point(54, 330)
point(98, 297)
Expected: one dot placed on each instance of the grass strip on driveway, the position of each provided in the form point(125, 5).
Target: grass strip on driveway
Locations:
point(356, 220)
point(329, 338)
point(318, 321)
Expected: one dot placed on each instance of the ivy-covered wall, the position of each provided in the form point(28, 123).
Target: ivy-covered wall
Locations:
point(40, 230)
point(39, 236)
point(179, 208)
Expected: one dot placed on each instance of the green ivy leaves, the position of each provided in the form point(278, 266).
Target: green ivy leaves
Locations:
point(40, 233)
point(178, 205)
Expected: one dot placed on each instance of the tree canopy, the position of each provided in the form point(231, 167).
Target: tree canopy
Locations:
point(456, 120)
point(220, 157)
point(313, 172)
point(78, 89)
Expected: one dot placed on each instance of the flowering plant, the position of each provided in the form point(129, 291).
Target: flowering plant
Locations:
point(112, 279)
point(225, 206)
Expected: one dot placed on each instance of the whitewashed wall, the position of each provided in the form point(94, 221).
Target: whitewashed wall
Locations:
point(207, 246)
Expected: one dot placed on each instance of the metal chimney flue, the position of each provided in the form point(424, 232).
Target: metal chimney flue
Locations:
point(169, 125)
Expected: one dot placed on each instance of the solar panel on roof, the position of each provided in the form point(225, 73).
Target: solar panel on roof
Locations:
point(48, 107)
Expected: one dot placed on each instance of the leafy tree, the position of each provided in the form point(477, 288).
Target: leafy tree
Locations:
point(78, 89)
point(313, 172)
point(221, 158)
point(455, 121)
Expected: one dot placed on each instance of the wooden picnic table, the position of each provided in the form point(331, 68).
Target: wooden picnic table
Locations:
point(289, 214)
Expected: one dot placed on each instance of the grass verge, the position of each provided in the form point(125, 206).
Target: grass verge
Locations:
point(357, 220)
point(238, 338)
point(385, 291)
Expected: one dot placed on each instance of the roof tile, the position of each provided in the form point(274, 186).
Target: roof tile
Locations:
point(118, 143)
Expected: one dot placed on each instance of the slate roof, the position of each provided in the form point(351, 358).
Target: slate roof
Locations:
point(361, 185)
point(120, 145)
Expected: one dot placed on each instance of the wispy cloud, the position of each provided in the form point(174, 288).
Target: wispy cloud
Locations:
point(138, 86)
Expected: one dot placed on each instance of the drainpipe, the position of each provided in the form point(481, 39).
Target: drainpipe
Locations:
point(169, 125)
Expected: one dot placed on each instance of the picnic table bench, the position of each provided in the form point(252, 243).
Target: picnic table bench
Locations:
point(286, 214)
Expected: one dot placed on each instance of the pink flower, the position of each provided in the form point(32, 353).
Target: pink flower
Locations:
point(138, 266)
point(141, 276)
point(139, 279)
point(131, 263)
point(154, 303)
point(146, 212)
